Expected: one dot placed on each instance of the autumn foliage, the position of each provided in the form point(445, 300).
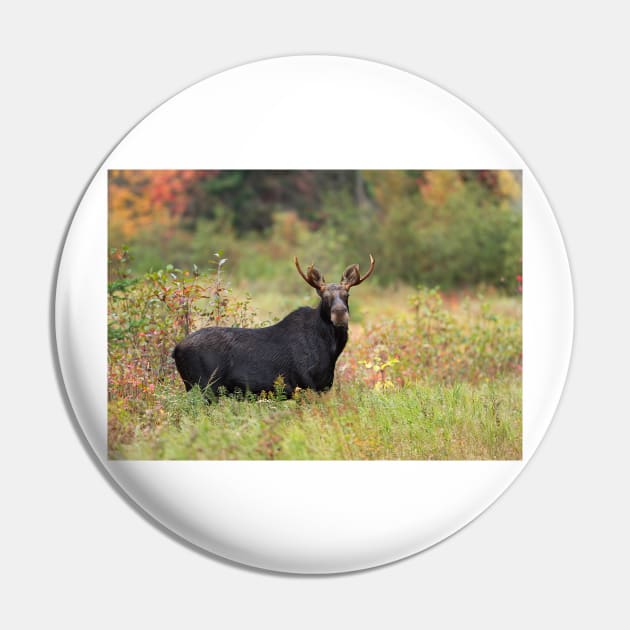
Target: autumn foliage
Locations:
point(452, 228)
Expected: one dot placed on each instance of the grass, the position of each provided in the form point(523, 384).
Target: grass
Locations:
point(358, 423)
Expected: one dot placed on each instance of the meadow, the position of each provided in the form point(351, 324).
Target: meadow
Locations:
point(425, 375)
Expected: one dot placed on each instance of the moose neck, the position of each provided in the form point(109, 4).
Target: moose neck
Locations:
point(340, 333)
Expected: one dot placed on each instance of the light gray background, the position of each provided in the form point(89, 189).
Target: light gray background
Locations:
point(553, 551)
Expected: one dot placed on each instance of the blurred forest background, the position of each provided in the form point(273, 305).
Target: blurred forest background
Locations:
point(443, 227)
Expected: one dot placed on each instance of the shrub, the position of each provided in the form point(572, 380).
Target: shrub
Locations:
point(469, 239)
point(435, 344)
point(149, 315)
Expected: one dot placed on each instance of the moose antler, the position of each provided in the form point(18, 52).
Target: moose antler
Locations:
point(312, 277)
point(359, 279)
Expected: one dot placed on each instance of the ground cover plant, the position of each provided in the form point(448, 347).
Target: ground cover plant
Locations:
point(426, 374)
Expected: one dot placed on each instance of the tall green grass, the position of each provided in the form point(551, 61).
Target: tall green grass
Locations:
point(360, 423)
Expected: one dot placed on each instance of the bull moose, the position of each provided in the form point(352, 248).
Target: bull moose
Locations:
point(302, 349)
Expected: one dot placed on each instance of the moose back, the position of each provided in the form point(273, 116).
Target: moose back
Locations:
point(301, 350)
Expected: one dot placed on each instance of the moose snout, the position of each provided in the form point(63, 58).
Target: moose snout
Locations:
point(339, 316)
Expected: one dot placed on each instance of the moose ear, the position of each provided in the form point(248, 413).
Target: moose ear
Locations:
point(314, 276)
point(350, 276)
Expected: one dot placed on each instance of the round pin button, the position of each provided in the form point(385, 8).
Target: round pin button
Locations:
point(314, 314)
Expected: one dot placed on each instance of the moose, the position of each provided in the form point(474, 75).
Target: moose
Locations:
point(301, 350)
